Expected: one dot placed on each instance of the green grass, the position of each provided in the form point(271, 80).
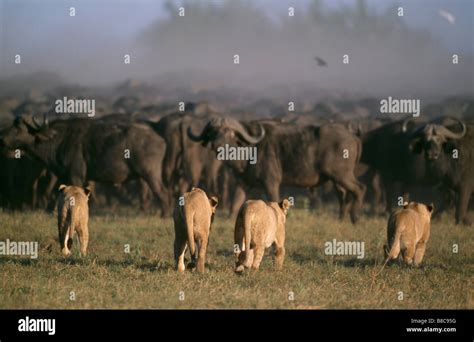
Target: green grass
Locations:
point(145, 278)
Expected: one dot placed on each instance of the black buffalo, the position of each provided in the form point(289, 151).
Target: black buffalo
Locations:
point(186, 164)
point(449, 158)
point(81, 150)
point(290, 155)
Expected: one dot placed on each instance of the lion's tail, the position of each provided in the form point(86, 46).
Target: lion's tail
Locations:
point(189, 218)
point(392, 253)
point(395, 246)
point(247, 236)
point(68, 221)
point(394, 250)
point(73, 221)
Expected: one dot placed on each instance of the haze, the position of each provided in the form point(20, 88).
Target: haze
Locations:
point(388, 55)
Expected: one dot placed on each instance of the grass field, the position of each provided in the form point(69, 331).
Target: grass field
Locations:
point(145, 278)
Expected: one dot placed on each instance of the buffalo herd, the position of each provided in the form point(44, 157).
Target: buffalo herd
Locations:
point(153, 155)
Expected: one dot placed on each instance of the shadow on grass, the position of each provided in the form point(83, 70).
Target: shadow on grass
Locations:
point(225, 252)
point(19, 261)
point(393, 264)
point(312, 256)
point(354, 262)
point(349, 263)
point(306, 255)
point(143, 264)
point(125, 212)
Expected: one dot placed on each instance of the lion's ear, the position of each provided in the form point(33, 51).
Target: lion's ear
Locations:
point(213, 201)
point(430, 207)
point(62, 187)
point(88, 191)
point(285, 205)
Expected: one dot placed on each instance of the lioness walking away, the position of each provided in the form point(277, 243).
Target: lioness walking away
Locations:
point(408, 231)
point(73, 216)
point(192, 226)
point(258, 226)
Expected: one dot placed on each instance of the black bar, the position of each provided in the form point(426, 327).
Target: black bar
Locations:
point(304, 324)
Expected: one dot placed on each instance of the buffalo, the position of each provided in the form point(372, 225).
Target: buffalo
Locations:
point(81, 150)
point(289, 155)
point(449, 159)
point(386, 149)
point(390, 150)
point(185, 163)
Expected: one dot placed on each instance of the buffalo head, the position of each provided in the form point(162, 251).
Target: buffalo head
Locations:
point(24, 132)
point(220, 131)
point(434, 138)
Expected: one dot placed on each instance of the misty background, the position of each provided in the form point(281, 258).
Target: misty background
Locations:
point(407, 56)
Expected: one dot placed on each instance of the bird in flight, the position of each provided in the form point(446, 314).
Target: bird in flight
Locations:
point(320, 61)
point(448, 16)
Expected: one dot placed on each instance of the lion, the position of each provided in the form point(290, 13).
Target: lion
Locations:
point(258, 226)
point(408, 231)
point(73, 216)
point(192, 225)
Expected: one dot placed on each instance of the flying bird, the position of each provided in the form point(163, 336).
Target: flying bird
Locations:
point(321, 62)
point(448, 16)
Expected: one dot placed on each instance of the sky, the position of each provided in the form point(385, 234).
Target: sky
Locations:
point(128, 17)
point(89, 47)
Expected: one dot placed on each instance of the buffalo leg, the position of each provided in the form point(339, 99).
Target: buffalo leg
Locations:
point(344, 202)
point(389, 193)
point(314, 197)
point(224, 188)
point(376, 185)
point(34, 199)
point(145, 197)
point(159, 191)
point(237, 201)
point(462, 205)
point(357, 189)
point(273, 191)
point(49, 195)
point(447, 197)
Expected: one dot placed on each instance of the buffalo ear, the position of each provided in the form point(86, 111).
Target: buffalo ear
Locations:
point(62, 187)
point(449, 146)
point(416, 145)
point(45, 120)
point(21, 124)
point(45, 135)
point(213, 201)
